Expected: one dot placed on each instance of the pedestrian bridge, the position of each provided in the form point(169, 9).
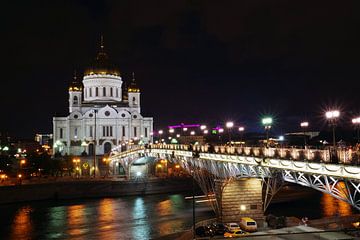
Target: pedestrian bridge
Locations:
point(215, 167)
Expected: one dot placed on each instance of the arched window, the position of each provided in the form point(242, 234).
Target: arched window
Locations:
point(91, 149)
point(111, 92)
point(75, 100)
point(96, 92)
point(90, 92)
point(107, 147)
point(134, 100)
point(104, 92)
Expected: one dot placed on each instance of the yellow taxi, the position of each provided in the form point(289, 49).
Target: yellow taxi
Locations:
point(248, 224)
point(236, 233)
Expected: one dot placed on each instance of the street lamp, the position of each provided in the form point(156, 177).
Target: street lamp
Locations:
point(356, 122)
point(192, 133)
point(95, 111)
point(267, 121)
point(106, 162)
point(332, 117)
point(221, 130)
point(171, 130)
point(304, 126)
point(241, 130)
point(160, 133)
point(229, 126)
point(76, 161)
point(203, 127)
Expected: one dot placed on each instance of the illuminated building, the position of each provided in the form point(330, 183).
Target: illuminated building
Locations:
point(102, 111)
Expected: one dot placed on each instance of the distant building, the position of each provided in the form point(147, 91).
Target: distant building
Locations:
point(44, 139)
point(102, 110)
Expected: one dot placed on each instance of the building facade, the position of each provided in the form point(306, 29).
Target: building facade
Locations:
point(103, 113)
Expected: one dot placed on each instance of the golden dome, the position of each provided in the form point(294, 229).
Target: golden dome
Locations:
point(102, 65)
point(133, 85)
point(75, 85)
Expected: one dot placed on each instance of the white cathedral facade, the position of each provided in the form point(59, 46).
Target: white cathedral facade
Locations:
point(103, 113)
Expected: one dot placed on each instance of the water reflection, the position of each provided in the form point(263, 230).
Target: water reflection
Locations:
point(76, 220)
point(142, 226)
point(107, 215)
point(22, 227)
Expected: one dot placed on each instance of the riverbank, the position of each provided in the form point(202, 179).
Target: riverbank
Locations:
point(92, 188)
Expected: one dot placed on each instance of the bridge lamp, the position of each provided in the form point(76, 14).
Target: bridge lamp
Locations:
point(203, 127)
point(192, 133)
point(221, 130)
point(267, 121)
point(161, 132)
point(304, 126)
point(206, 131)
point(171, 130)
point(229, 124)
point(177, 135)
point(185, 129)
point(332, 117)
point(356, 123)
point(241, 129)
point(281, 138)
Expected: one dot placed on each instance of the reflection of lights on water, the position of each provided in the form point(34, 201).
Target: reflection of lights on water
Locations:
point(21, 226)
point(142, 231)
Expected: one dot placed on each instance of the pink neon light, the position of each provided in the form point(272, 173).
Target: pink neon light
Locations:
point(185, 126)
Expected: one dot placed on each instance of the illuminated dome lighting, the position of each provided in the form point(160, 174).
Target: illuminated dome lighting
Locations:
point(75, 85)
point(133, 85)
point(102, 64)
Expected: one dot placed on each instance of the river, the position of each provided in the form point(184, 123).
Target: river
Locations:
point(142, 217)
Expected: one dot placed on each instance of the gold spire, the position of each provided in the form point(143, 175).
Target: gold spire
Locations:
point(102, 42)
point(75, 85)
point(133, 86)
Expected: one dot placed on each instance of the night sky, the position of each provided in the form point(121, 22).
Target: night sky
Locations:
point(195, 61)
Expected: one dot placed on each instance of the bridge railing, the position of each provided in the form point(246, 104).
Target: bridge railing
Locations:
point(341, 155)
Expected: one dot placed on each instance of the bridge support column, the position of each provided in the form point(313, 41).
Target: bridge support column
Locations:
point(240, 198)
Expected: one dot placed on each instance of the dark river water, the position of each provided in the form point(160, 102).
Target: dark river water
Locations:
point(143, 217)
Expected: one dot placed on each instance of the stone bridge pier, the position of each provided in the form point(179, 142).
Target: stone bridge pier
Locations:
point(240, 198)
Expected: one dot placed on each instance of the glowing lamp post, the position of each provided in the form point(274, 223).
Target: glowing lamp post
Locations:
point(76, 162)
point(356, 123)
point(304, 126)
point(267, 124)
point(221, 130)
point(160, 134)
point(229, 126)
point(171, 130)
point(332, 117)
point(241, 130)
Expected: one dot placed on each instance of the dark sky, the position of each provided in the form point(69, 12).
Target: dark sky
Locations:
point(195, 61)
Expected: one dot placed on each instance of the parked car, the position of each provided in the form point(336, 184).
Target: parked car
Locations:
point(248, 224)
point(218, 228)
point(232, 226)
point(204, 231)
point(236, 233)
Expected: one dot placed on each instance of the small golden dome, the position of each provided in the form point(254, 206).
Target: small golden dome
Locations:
point(75, 85)
point(133, 85)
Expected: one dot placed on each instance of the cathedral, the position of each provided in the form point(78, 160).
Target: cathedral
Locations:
point(104, 112)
